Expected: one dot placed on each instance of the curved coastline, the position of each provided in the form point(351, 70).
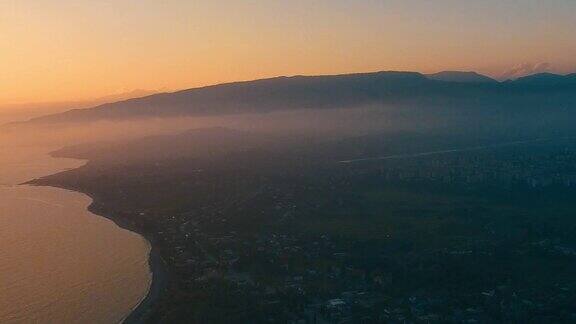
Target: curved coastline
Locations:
point(159, 281)
point(156, 265)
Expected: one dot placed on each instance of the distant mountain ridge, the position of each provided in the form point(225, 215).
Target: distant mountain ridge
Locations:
point(458, 76)
point(330, 92)
point(547, 79)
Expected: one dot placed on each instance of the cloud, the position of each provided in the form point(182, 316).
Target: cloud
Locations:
point(525, 69)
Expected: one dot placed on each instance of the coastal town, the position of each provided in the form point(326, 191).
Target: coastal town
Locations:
point(285, 238)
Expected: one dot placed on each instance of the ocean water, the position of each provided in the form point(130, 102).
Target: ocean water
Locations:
point(58, 262)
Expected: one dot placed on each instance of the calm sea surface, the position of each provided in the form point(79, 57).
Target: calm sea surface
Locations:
point(58, 262)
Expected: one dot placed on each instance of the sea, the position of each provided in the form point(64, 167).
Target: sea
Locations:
point(59, 263)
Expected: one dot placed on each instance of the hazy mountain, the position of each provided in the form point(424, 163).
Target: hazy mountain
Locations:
point(547, 80)
point(22, 111)
point(275, 94)
point(458, 76)
point(381, 89)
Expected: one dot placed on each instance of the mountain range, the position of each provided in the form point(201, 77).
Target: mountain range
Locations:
point(387, 88)
point(458, 76)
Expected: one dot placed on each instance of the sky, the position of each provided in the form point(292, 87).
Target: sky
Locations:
point(70, 50)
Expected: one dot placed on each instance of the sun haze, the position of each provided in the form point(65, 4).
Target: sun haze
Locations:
point(66, 50)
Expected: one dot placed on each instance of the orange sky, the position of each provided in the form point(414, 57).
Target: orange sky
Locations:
point(66, 50)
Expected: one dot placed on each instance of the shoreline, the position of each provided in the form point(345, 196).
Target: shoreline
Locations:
point(158, 270)
point(156, 265)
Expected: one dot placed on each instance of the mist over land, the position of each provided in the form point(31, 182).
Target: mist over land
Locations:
point(336, 197)
point(456, 103)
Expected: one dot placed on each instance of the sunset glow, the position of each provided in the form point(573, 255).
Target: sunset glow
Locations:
point(63, 50)
point(301, 161)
